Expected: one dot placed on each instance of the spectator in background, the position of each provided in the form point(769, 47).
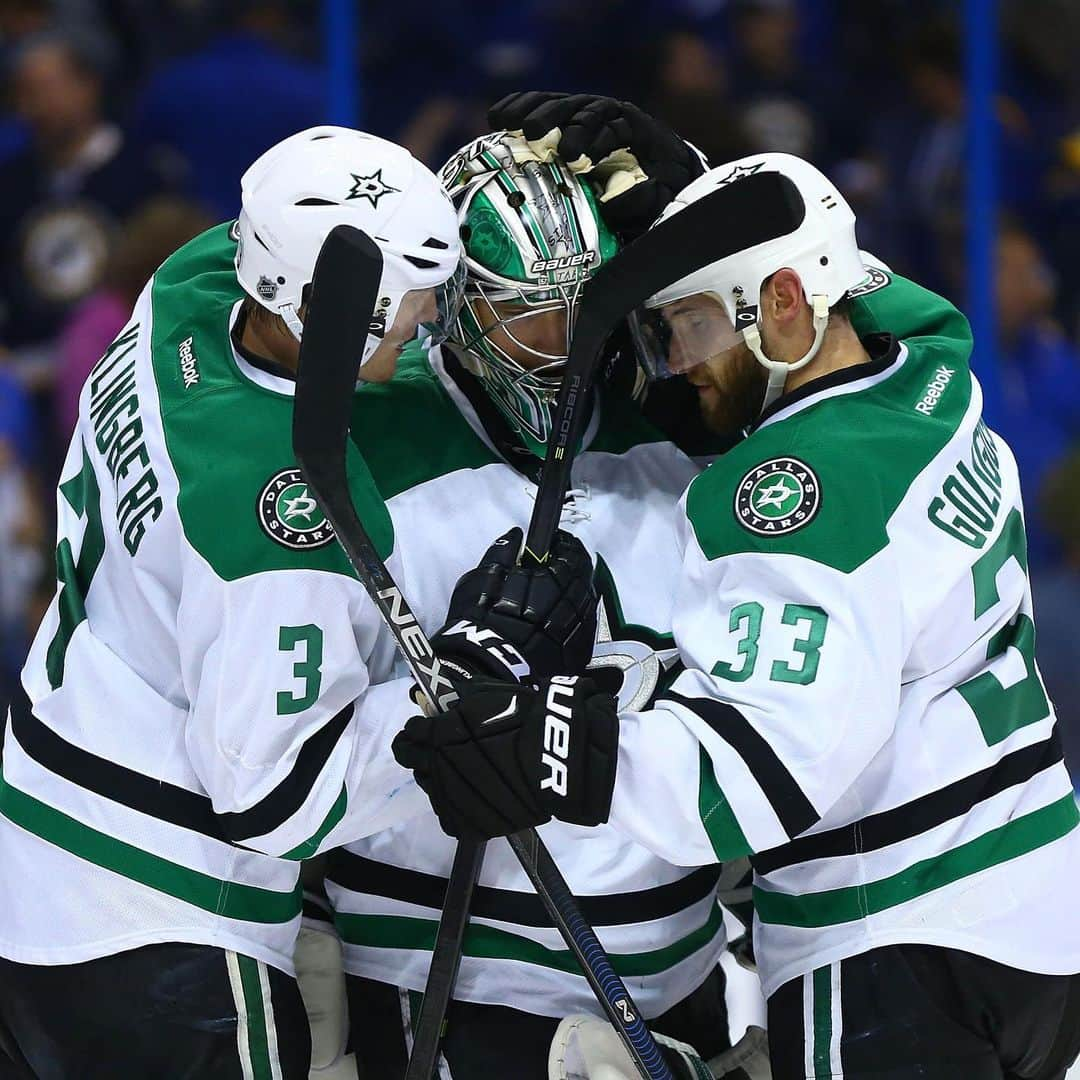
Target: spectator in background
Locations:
point(781, 106)
point(921, 146)
point(144, 242)
point(62, 194)
point(1057, 600)
point(222, 106)
point(691, 94)
point(1040, 378)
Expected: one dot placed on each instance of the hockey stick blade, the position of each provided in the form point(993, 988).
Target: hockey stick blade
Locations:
point(727, 220)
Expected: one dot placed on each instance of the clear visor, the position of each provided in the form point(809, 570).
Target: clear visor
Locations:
point(672, 339)
point(436, 316)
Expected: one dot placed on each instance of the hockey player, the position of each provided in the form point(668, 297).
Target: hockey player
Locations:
point(202, 707)
point(455, 445)
point(860, 711)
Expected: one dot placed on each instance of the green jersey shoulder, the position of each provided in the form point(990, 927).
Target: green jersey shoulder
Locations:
point(410, 431)
point(822, 477)
point(242, 502)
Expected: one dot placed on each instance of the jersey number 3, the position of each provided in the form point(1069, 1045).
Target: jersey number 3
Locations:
point(307, 669)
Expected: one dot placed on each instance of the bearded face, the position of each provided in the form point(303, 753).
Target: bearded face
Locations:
point(702, 345)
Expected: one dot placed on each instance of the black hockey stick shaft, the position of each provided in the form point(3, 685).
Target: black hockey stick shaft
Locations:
point(719, 224)
point(343, 295)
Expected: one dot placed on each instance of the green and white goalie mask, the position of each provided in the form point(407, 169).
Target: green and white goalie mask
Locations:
point(531, 237)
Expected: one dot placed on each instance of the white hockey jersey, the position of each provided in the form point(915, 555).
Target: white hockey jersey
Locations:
point(199, 710)
point(861, 708)
point(450, 495)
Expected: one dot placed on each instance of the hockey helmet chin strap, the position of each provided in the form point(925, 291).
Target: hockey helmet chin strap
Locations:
point(292, 321)
point(296, 328)
point(777, 369)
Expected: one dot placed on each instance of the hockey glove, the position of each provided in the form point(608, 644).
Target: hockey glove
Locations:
point(637, 163)
point(519, 623)
point(505, 757)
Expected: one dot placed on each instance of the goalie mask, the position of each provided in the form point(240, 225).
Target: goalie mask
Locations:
point(532, 236)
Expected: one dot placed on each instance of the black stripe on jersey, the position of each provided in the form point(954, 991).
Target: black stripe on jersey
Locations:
point(148, 795)
point(795, 811)
point(280, 805)
point(165, 801)
point(913, 818)
point(365, 875)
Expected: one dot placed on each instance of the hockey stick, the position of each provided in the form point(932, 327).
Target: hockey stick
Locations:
point(730, 219)
point(343, 295)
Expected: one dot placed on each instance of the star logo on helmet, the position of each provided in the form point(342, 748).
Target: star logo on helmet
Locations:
point(741, 172)
point(372, 187)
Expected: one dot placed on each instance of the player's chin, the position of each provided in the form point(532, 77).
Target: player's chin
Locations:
point(716, 412)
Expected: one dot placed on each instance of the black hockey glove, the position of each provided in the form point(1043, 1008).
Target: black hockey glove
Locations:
point(638, 163)
point(521, 623)
point(508, 757)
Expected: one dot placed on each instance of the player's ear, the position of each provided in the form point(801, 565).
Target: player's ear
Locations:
point(782, 296)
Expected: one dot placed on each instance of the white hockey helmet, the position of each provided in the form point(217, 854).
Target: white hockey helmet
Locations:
point(300, 189)
point(820, 248)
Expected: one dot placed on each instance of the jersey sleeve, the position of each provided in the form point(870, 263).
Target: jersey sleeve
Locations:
point(293, 710)
point(791, 687)
point(894, 304)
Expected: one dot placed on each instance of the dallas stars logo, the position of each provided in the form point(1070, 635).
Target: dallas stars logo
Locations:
point(372, 187)
point(777, 497)
point(740, 172)
point(289, 515)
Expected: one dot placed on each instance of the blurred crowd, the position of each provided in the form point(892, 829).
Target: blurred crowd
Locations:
point(126, 125)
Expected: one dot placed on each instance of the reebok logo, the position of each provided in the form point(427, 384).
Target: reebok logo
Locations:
point(189, 363)
point(934, 389)
point(557, 733)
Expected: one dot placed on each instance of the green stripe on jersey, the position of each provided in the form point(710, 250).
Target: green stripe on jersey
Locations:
point(307, 849)
point(256, 1009)
point(1008, 841)
point(725, 834)
point(227, 898)
point(490, 943)
point(866, 446)
point(822, 989)
point(227, 436)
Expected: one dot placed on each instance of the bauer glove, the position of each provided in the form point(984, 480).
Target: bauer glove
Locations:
point(637, 163)
point(521, 623)
point(506, 758)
